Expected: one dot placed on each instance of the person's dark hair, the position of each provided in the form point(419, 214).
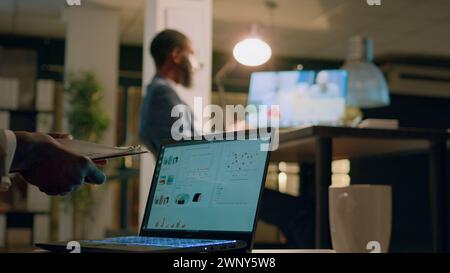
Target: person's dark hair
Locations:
point(164, 43)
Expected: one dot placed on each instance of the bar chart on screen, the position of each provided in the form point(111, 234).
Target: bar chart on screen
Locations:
point(167, 224)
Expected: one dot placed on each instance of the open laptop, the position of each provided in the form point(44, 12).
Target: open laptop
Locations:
point(305, 98)
point(204, 197)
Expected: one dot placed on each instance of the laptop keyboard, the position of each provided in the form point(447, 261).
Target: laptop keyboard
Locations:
point(159, 242)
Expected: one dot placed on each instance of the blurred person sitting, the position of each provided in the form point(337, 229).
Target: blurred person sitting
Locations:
point(172, 52)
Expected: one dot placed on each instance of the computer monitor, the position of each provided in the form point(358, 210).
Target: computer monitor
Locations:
point(304, 97)
point(207, 186)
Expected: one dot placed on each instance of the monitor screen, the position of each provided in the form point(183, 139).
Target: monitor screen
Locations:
point(304, 97)
point(208, 186)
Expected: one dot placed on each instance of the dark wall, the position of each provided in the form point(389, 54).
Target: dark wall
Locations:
point(421, 112)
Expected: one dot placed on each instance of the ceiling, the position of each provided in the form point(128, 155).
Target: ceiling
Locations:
point(44, 17)
point(300, 28)
point(321, 28)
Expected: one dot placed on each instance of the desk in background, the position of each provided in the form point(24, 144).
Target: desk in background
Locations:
point(322, 144)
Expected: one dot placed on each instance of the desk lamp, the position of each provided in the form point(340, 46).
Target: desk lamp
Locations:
point(252, 51)
point(367, 87)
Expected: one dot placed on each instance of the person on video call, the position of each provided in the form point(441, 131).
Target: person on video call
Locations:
point(172, 53)
point(43, 162)
point(323, 87)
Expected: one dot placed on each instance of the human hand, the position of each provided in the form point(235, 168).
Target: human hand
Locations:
point(101, 162)
point(60, 135)
point(45, 163)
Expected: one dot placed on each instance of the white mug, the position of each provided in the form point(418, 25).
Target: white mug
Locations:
point(360, 218)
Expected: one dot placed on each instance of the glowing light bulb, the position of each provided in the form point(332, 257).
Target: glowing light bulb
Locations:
point(252, 52)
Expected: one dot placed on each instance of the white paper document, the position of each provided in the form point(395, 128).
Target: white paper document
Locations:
point(98, 151)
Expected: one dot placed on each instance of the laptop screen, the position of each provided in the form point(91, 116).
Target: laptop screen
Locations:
point(304, 97)
point(207, 186)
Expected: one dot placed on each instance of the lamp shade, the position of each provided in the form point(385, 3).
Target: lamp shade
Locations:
point(367, 86)
point(252, 52)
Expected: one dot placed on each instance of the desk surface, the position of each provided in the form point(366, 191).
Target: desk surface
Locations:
point(299, 144)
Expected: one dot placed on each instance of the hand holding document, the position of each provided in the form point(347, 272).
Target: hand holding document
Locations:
point(58, 165)
point(98, 152)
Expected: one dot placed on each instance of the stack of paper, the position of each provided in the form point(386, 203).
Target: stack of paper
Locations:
point(95, 151)
point(379, 124)
point(98, 151)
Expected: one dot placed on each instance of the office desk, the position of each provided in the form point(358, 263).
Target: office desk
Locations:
point(322, 144)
